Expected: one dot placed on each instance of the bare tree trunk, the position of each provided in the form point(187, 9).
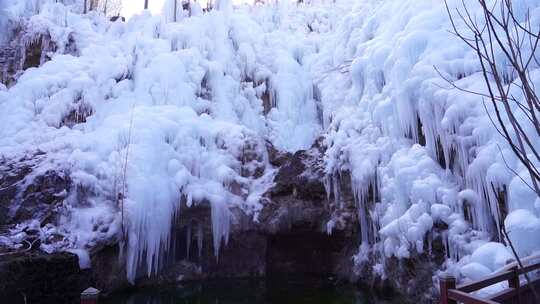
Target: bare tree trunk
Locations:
point(85, 6)
point(145, 4)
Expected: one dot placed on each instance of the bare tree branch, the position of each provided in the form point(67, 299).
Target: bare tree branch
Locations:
point(506, 49)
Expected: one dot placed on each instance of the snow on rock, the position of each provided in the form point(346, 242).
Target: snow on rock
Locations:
point(14, 12)
point(492, 255)
point(84, 258)
point(521, 196)
point(475, 271)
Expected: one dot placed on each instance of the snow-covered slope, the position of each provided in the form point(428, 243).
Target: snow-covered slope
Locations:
point(151, 113)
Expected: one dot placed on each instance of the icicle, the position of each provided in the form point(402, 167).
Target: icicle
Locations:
point(360, 199)
point(200, 237)
point(188, 240)
point(430, 243)
point(45, 47)
point(327, 183)
point(332, 187)
point(446, 244)
point(361, 191)
point(337, 191)
point(220, 224)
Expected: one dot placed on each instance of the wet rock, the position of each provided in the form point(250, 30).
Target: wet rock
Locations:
point(28, 49)
point(29, 193)
point(301, 175)
point(36, 277)
point(9, 60)
point(288, 213)
point(275, 157)
point(412, 277)
point(289, 235)
point(304, 252)
point(41, 194)
point(108, 272)
point(244, 256)
point(78, 114)
point(118, 18)
point(298, 197)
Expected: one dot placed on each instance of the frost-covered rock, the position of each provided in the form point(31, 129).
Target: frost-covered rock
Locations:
point(31, 190)
point(32, 33)
point(492, 255)
point(475, 271)
point(523, 229)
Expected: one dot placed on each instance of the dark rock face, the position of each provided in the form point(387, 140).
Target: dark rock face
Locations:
point(296, 220)
point(27, 192)
point(9, 60)
point(44, 192)
point(27, 50)
point(298, 198)
point(412, 276)
point(304, 253)
point(300, 175)
point(40, 278)
point(275, 157)
point(192, 255)
point(290, 236)
point(242, 257)
point(10, 177)
point(108, 272)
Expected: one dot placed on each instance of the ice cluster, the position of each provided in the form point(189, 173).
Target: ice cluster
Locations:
point(420, 152)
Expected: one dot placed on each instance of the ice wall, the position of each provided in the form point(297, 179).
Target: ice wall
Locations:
point(152, 114)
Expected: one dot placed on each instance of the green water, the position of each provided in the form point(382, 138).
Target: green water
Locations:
point(274, 291)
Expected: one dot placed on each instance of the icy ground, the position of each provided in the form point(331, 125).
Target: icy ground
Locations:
point(151, 112)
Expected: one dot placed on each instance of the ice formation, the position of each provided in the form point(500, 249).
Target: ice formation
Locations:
point(154, 113)
point(418, 150)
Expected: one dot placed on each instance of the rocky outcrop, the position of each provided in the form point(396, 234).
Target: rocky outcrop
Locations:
point(288, 237)
point(296, 221)
point(291, 234)
point(29, 192)
point(36, 277)
point(108, 272)
point(28, 49)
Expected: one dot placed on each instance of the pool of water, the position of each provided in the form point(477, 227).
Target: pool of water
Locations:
point(269, 291)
